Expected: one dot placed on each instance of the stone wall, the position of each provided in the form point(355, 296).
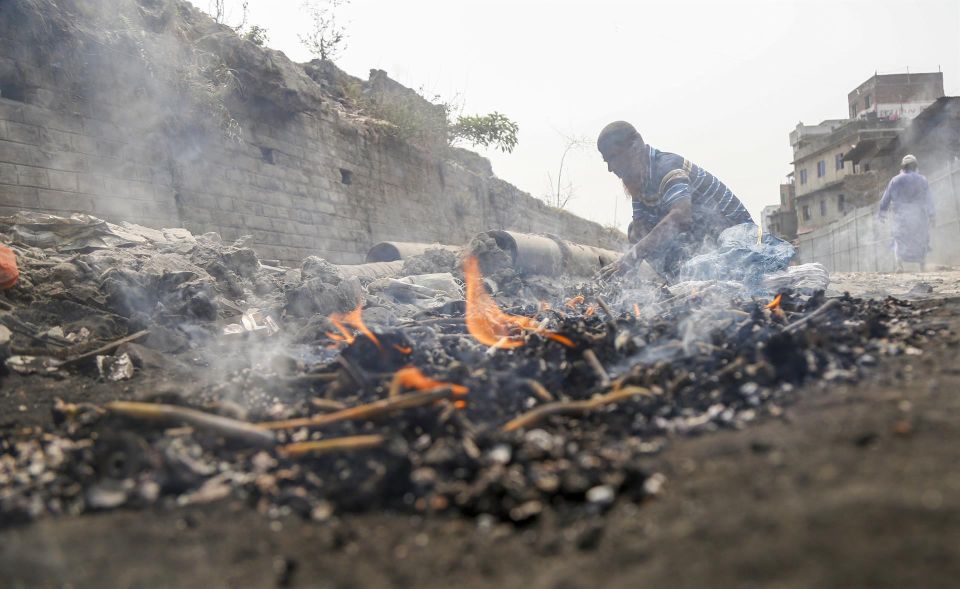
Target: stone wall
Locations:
point(306, 175)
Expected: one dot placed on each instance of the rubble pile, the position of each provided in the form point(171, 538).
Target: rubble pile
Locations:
point(208, 374)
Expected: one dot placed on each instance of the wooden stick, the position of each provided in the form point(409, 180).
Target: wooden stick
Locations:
point(539, 414)
point(224, 426)
point(606, 309)
point(591, 357)
point(539, 390)
point(327, 404)
point(108, 347)
point(801, 322)
point(343, 444)
point(366, 411)
point(352, 371)
point(304, 379)
point(436, 320)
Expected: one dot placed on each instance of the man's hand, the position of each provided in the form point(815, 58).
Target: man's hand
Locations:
point(620, 266)
point(612, 269)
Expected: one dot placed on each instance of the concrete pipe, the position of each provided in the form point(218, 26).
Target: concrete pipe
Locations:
point(372, 270)
point(585, 260)
point(531, 254)
point(390, 251)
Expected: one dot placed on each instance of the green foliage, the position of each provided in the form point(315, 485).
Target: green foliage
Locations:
point(256, 35)
point(493, 129)
point(326, 38)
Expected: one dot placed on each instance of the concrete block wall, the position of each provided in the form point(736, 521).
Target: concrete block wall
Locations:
point(318, 184)
point(57, 162)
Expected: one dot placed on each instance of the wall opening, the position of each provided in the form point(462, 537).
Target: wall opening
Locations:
point(266, 154)
point(346, 176)
point(12, 90)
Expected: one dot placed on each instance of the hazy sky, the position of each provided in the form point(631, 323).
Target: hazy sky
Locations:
point(719, 82)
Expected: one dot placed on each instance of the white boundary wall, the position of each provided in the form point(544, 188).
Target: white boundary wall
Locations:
point(859, 242)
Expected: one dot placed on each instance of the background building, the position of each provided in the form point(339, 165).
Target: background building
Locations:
point(841, 164)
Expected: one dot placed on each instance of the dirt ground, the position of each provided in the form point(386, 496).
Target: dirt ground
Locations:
point(853, 486)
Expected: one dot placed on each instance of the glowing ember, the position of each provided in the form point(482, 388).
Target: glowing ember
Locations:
point(491, 326)
point(405, 350)
point(577, 300)
point(411, 377)
point(355, 320)
point(636, 310)
point(590, 310)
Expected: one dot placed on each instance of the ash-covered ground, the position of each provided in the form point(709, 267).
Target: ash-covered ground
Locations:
point(180, 382)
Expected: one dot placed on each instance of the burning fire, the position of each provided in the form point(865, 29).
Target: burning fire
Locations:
point(775, 303)
point(410, 377)
point(577, 300)
point(491, 326)
point(355, 320)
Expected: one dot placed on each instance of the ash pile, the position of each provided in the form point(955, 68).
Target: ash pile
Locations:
point(497, 379)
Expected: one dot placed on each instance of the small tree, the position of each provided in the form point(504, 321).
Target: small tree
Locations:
point(560, 195)
point(326, 38)
point(485, 130)
point(254, 33)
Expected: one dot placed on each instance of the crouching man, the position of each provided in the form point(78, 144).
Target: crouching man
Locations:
point(676, 204)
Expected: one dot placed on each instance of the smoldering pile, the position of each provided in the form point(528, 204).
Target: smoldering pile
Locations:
point(320, 390)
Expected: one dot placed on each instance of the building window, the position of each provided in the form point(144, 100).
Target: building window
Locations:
point(806, 212)
point(866, 167)
point(821, 168)
point(866, 102)
point(823, 208)
point(840, 203)
point(839, 161)
point(803, 176)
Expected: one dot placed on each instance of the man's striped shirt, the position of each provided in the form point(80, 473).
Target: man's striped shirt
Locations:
point(671, 179)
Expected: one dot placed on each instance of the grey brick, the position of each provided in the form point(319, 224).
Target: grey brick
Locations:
point(19, 153)
point(23, 197)
point(30, 176)
point(91, 184)
point(21, 133)
point(66, 181)
point(84, 144)
point(53, 139)
point(8, 174)
point(42, 117)
point(63, 201)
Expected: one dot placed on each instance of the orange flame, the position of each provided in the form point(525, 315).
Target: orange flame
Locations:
point(491, 326)
point(775, 303)
point(636, 310)
point(355, 320)
point(590, 310)
point(405, 350)
point(412, 378)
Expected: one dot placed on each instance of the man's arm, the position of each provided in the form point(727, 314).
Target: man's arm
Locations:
point(675, 221)
point(885, 200)
point(637, 229)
